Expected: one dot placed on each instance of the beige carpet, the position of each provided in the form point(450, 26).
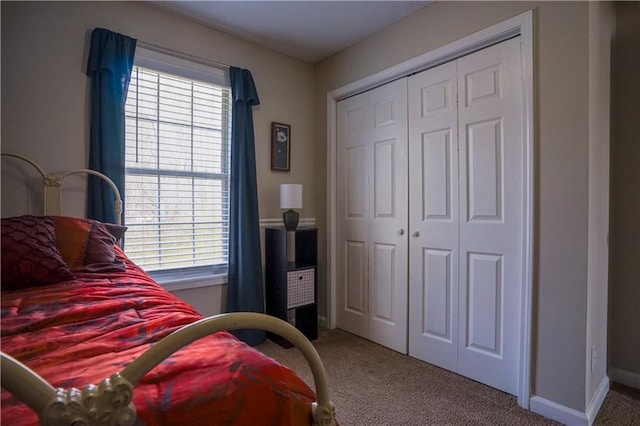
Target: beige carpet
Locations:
point(373, 385)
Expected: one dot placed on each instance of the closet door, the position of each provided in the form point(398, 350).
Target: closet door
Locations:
point(433, 213)
point(352, 225)
point(491, 214)
point(466, 215)
point(372, 181)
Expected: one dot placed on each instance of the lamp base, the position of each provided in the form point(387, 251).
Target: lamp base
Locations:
point(291, 218)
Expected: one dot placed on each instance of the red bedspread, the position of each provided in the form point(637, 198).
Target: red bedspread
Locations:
point(82, 331)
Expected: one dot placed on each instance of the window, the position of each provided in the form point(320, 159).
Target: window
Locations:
point(177, 165)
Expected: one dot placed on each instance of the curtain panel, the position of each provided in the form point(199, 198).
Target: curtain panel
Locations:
point(245, 289)
point(109, 67)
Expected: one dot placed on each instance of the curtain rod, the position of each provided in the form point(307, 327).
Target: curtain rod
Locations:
point(186, 56)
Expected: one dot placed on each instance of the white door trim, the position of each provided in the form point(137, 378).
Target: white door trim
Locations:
point(519, 25)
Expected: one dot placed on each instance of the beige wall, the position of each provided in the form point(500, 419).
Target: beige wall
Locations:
point(624, 303)
point(561, 179)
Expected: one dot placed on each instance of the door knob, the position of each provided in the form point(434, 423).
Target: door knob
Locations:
point(416, 234)
point(400, 231)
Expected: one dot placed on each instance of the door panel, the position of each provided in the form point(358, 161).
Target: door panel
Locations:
point(482, 85)
point(484, 319)
point(372, 136)
point(388, 150)
point(383, 289)
point(436, 297)
point(355, 185)
point(484, 170)
point(352, 224)
point(491, 203)
point(433, 216)
point(436, 174)
point(383, 181)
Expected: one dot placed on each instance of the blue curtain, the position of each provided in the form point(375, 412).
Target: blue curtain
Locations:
point(244, 291)
point(109, 67)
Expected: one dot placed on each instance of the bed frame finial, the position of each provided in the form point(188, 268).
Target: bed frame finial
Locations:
point(324, 415)
point(106, 404)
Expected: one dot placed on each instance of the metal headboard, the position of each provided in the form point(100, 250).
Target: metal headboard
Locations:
point(53, 185)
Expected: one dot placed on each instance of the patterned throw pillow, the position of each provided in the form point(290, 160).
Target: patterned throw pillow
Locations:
point(86, 241)
point(29, 253)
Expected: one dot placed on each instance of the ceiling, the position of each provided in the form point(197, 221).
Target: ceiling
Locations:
point(307, 30)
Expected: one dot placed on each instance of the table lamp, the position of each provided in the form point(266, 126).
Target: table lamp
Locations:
point(290, 198)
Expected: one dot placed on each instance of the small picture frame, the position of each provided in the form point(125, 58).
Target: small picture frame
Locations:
point(280, 147)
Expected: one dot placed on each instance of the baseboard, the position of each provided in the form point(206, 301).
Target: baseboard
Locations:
point(625, 377)
point(557, 412)
point(598, 399)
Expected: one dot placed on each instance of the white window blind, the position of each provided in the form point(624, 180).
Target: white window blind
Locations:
point(177, 171)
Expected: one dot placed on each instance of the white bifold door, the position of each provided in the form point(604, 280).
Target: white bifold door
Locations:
point(372, 208)
point(434, 222)
point(466, 215)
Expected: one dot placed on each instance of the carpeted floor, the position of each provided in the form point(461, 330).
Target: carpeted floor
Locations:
point(372, 385)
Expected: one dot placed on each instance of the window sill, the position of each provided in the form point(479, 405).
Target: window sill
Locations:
point(180, 282)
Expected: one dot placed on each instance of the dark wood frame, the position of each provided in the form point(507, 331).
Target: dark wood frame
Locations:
point(280, 158)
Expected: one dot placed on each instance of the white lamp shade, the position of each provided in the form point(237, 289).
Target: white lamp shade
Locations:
point(290, 196)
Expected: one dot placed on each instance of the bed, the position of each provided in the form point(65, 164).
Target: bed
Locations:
point(88, 338)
